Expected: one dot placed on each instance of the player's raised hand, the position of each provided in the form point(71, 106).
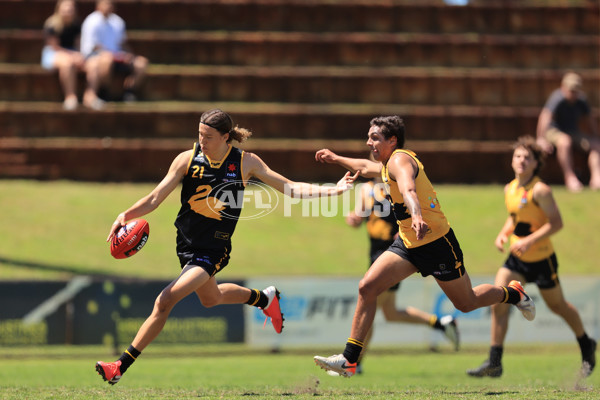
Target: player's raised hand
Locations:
point(346, 182)
point(326, 156)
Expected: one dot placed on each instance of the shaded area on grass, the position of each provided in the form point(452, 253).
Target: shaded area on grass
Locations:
point(70, 270)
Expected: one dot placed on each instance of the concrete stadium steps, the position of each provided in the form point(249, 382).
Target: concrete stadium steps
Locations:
point(483, 16)
point(266, 120)
point(125, 160)
point(302, 74)
point(340, 49)
point(388, 85)
point(14, 163)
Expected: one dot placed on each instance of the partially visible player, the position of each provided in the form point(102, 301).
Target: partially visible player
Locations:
point(426, 244)
point(375, 210)
point(210, 174)
point(533, 217)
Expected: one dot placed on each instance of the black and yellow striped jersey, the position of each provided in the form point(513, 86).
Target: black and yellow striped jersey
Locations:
point(212, 196)
point(381, 222)
point(527, 217)
point(430, 206)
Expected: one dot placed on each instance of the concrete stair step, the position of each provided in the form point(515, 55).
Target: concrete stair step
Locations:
point(401, 85)
point(268, 120)
point(14, 163)
point(485, 16)
point(148, 160)
point(341, 49)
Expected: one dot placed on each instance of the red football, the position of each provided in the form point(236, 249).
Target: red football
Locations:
point(130, 238)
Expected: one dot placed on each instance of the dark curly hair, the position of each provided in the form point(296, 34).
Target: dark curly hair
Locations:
point(391, 126)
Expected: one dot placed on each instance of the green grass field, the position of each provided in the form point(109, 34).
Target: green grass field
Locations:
point(236, 372)
point(53, 230)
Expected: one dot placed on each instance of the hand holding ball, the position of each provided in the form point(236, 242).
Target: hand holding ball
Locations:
point(129, 239)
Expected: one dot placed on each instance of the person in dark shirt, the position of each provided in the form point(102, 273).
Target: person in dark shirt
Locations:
point(212, 175)
point(566, 123)
point(61, 32)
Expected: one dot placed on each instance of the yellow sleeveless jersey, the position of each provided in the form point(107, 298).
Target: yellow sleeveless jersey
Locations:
point(527, 217)
point(430, 206)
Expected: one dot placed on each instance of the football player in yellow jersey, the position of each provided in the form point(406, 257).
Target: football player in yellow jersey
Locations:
point(533, 218)
point(373, 208)
point(205, 225)
point(426, 244)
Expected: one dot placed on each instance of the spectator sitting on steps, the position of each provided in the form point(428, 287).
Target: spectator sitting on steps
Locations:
point(559, 123)
point(61, 33)
point(103, 42)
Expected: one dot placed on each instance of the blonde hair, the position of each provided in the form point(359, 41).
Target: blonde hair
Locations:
point(55, 21)
point(222, 122)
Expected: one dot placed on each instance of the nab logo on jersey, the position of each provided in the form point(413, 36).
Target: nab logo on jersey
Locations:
point(232, 170)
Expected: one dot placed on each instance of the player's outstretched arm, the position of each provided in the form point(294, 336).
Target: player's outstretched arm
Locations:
point(506, 231)
point(403, 169)
point(150, 202)
point(364, 167)
point(257, 168)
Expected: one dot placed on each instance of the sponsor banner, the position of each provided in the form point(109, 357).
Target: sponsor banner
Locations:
point(319, 311)
point(86, 311)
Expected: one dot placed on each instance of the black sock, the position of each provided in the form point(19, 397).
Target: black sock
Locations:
point(257, 298)
point(353, 349)
point(128, 357)
point(496, 355)
point(585, 343)
point(511, 296)
point(434, 322)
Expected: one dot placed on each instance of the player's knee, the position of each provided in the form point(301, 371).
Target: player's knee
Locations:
point(464, 305)
point(164, 302)
point(367, 290)
point(210, 301)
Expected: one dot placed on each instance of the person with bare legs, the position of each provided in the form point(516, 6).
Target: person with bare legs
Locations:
point(426, 243)
point(566, 123)
point(533, 217)
point(61, 31)
point(104, 44)
point(210, 175)
point(375, 211)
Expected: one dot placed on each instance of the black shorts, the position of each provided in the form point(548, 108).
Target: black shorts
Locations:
point(441, 258)
point(121, 67)
point(210, 260)
point(375, 253)
point(543, 273)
